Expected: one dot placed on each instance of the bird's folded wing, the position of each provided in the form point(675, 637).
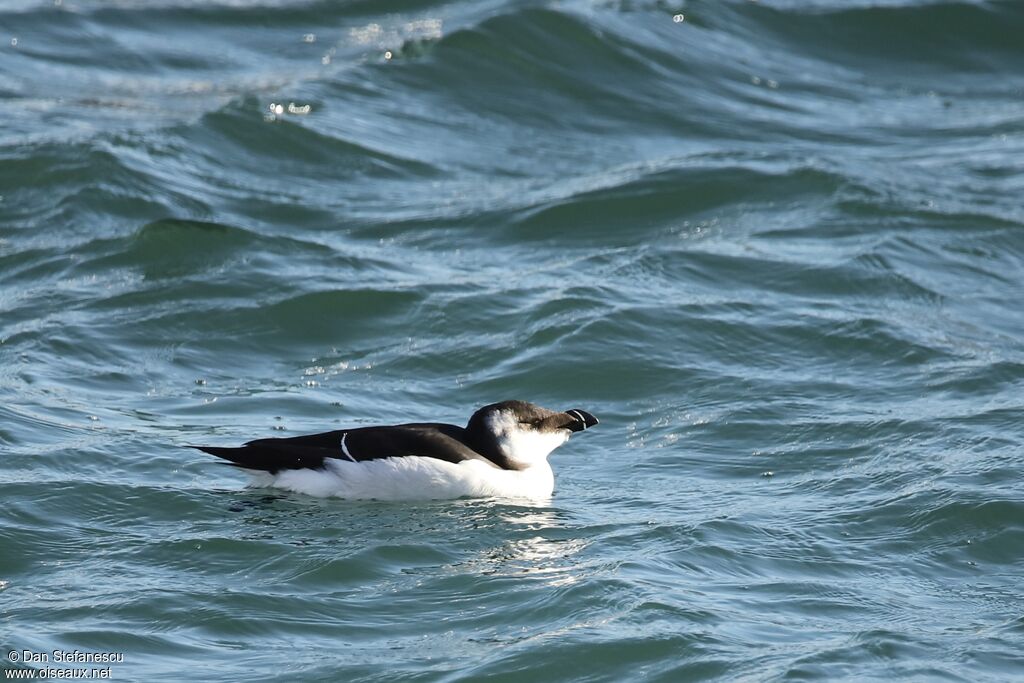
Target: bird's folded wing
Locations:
point(440, 441)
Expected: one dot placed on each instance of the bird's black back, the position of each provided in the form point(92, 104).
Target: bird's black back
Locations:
point(430, 440)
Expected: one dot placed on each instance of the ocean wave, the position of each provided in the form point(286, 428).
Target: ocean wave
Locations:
point(914, 34)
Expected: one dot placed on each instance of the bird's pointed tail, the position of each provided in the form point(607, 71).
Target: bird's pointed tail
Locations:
point(267, 456)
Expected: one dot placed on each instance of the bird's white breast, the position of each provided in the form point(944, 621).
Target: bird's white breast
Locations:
point(416, 478)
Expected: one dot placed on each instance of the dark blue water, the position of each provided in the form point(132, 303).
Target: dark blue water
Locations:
point(777, 247)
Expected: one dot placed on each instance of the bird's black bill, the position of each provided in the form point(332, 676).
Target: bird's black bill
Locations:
point(581, 420)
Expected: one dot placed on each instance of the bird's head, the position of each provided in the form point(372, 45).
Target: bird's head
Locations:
point(523, 434)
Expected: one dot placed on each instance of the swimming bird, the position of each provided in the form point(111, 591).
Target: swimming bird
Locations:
point(501, 452)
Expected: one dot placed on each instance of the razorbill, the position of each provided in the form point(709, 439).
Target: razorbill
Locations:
point(502, 452)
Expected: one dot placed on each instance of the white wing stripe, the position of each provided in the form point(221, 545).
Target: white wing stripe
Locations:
point(344, 448)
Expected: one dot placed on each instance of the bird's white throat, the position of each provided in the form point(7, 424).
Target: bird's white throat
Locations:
point(523, 444)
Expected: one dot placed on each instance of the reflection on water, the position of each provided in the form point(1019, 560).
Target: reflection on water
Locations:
point(538, 541)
